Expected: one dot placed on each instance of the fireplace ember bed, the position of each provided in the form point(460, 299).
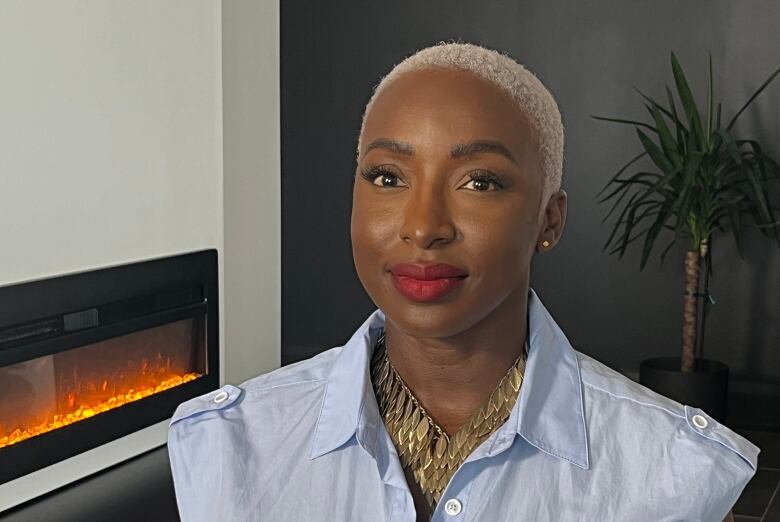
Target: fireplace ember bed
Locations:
point(91, 357)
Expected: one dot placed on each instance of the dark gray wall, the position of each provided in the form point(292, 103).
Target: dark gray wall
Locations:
point(589, 54)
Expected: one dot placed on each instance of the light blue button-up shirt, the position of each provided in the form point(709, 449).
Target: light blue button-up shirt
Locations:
point(306, 442)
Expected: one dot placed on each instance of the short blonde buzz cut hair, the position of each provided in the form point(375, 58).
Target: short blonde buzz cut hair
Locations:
point(523, 87)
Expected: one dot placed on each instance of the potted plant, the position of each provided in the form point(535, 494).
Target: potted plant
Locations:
point(702, 179)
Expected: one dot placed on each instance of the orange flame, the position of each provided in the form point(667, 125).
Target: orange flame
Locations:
point(84, 411)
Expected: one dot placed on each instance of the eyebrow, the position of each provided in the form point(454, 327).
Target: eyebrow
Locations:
point(399, 147)
point(461, 150)
point(481, 147)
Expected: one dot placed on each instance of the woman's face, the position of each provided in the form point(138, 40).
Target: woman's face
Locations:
point(423, 195)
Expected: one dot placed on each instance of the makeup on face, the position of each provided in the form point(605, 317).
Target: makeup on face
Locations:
point(448, 176)
point(426, 282)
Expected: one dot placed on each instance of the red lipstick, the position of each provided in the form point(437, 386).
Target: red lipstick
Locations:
point(424, 283)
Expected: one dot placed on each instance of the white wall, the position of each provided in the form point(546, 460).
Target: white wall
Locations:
point(111, 151)
point(110, 133)
point(252, 187)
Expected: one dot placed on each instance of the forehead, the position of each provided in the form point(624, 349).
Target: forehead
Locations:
point(435, 108)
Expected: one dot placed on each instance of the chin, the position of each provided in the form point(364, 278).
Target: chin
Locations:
point(428, 320)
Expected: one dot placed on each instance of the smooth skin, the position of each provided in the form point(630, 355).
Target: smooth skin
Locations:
point(424, 207)
point(427, 135)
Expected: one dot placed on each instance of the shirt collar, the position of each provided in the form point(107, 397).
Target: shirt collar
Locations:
point(348, 387)
point(549, 412)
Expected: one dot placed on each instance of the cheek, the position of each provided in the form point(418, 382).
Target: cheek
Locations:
point(372, 232)
point(500, 247)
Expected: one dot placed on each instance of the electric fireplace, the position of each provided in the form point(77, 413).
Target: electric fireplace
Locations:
point(90, 357)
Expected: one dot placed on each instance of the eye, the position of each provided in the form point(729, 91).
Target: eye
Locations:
point(482, 180)
point(385, 176)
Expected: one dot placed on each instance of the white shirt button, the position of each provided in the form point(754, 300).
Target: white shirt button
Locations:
point(699, 421)
point(452, 507)
point(220, 397)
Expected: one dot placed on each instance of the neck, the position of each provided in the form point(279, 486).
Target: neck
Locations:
point(452, 377)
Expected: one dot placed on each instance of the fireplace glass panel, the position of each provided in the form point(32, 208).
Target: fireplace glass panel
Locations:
point(43, 394)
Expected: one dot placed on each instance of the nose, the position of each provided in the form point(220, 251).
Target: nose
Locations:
point(427, 219)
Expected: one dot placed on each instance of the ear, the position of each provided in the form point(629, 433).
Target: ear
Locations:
point(553, 221)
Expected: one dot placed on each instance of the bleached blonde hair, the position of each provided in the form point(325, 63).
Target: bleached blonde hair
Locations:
point(524, 89)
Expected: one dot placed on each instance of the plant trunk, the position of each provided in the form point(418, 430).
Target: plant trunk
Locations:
point(706, 264)
point(690, 310)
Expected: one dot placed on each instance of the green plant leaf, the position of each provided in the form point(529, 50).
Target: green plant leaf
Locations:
point(666, 250)
point(706, 179)
point(648, 209)
point(735, 223)
point(730, 146)
point(627, 208)
point(629, 183)
point(668, 145)
point(683, 203)
point(709, 104)
point(622, 246)
point(697, 137)
point(774, 166)
point(759, 195)
point(717, 121)
point(679, 127)
point(627, 122)
point(658, 187)
point(622, 169)
point(651, 101)
point(655, 152)
point(652, 234)
point(633, 220)
point(688, 103)
point(672, 105)
point(755, 94)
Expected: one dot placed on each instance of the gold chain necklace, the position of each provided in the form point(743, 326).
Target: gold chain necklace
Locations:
point(423, 446)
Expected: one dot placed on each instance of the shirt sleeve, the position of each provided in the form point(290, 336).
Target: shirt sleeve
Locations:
point(720, 464)
point(207, 470)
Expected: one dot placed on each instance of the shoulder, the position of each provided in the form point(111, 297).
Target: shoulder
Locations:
point(607, 388)
point(304, 377)
point(600, 381)
point(664, 434)
point(238, 425)
point(216, 440)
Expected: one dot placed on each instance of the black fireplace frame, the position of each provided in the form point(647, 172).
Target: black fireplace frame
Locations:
point(60, 313)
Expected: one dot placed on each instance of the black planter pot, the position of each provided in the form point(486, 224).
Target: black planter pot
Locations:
point(705, 388)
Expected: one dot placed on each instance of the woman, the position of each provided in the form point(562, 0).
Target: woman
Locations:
point(459, 398)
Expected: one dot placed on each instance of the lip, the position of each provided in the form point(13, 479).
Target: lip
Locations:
point(425, 283)
point(427, 272)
